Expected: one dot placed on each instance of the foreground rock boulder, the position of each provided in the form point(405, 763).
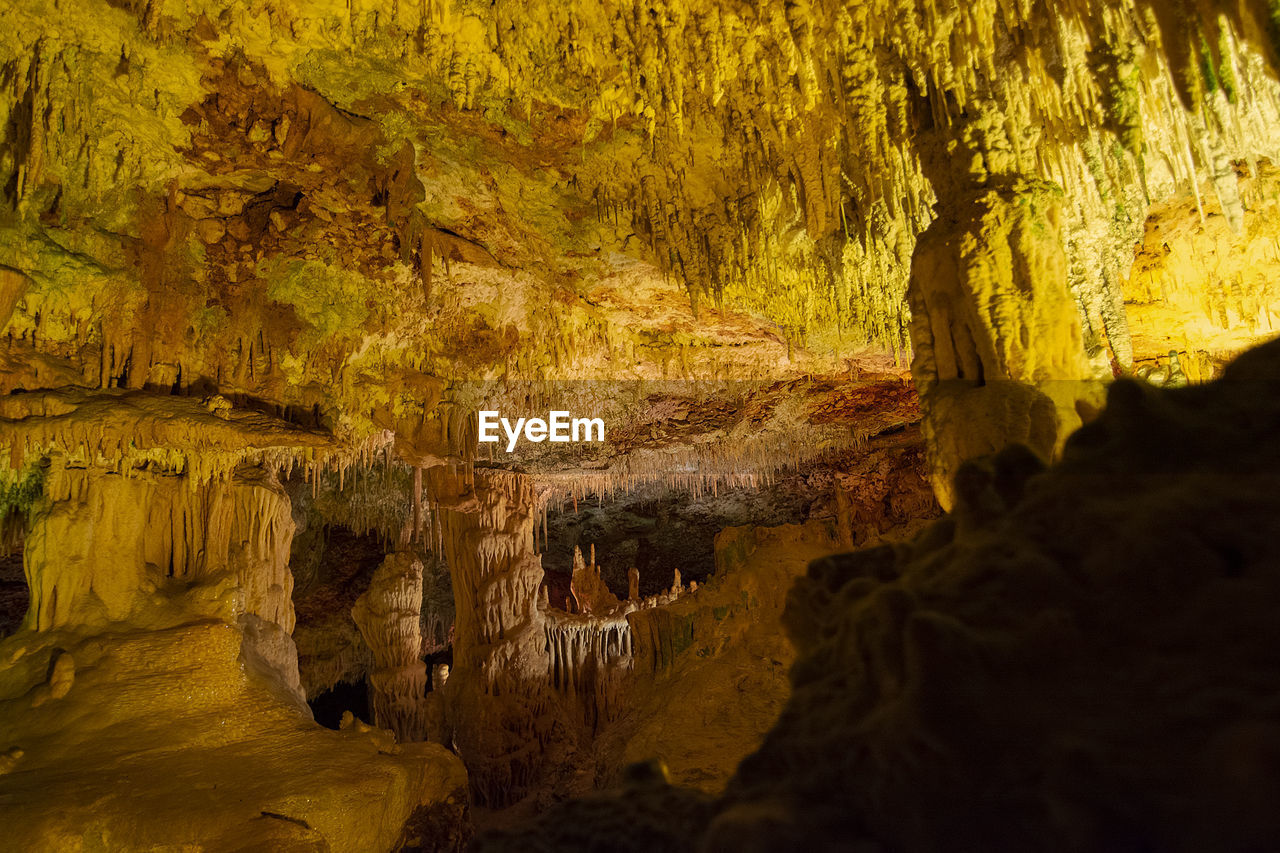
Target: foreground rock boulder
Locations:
point(165, 740)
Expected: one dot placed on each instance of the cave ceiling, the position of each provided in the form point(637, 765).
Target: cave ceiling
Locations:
point(361, 216)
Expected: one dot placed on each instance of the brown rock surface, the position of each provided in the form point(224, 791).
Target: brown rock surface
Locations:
point(389, 615)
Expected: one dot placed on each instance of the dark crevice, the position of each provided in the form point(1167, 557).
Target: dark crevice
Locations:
point(329, 706)
point(299, 821)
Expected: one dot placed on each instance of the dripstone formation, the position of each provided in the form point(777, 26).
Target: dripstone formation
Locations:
point(928, 504)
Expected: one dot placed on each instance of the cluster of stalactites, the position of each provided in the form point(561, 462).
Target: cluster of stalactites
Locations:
point(1099, 100)
point(371, 492)
point(200, 440)
point(590, 640)
point(588, 658)
point(810, 116)
point(699, 470)
point(151, 528)
point(88, 446)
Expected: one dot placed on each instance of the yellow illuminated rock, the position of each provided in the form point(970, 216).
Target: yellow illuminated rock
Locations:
point(263, 263)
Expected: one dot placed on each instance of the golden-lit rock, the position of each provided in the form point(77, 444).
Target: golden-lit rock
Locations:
point(1013, 641)
point(156, 718)
point(388, 615)
point(1200, 288)
point(156, 659)
point(711, 667)
point(999, 354)
point(261, 266)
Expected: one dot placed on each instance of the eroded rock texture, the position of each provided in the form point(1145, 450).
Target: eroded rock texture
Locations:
point(999, 354)
point(262, 264)
point(342, 212)
point(496, 703)
point(114, 549)
point(1075, 659)
point(710, 668)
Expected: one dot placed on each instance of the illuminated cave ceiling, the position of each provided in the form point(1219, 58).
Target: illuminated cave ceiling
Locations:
point(342, 210)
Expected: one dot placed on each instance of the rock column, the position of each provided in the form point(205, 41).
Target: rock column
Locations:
point(999, 353)
point(498, 708)
point(389, 616)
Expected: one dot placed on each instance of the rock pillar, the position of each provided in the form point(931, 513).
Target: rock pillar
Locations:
point(497, 705)
point(388, 615)
point(998, 349)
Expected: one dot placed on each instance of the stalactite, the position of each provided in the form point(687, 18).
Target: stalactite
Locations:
point(749, 461)
point(589, 657)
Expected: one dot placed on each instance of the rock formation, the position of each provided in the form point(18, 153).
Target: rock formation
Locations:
point(389, 615)
point(157, 646)
point(263, 266)
point(590, 593)
point(926, 715)
point(999, 355)
point(495, 708)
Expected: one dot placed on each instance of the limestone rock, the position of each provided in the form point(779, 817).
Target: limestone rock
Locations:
point(389, 616)
point(159, 716)
point(211, 230)
point(495, 703)
point(999, 356)
point(157, 649)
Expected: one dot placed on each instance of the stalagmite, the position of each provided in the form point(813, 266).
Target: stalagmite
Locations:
point(388, 615)
point(589, 591)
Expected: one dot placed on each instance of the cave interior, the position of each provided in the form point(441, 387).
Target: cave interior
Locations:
point(921, 407)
